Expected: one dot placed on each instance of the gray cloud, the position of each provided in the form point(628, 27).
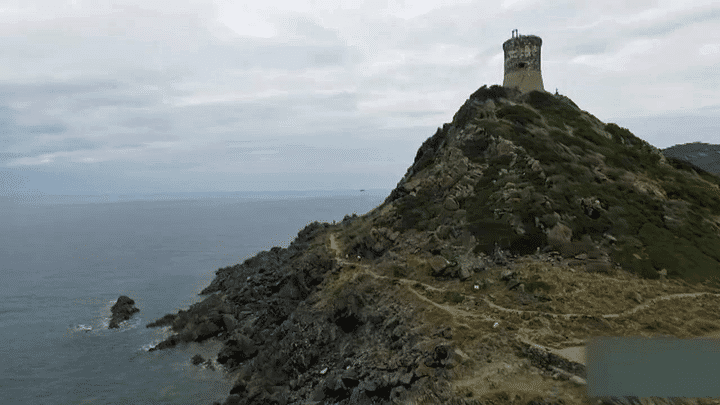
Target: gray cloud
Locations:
point(219, 95)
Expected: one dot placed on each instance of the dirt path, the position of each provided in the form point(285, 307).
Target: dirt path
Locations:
point(575, 353)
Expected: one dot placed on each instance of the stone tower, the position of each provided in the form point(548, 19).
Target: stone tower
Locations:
point(522, 62)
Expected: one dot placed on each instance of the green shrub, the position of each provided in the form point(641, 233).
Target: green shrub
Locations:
point(623, 160)
point(567, 140)
point(663, 248)
point(588, 133)
point(545, 101)
point(588, 226)
point(502, 161)
point(494, 92)
point(528, 243)
point(399, 271)
point(614, 174)
point(454, 297)
point(573, 248)
point(694, 192)
point(490, 232)
point(535, 284)
point(622, 135)
point(578, 173)
point(428, 150)
point(517, 114)
point(475, 148)
point(642, 267)
point(412, 211)
point(710, 246)
point(599, 267)
point(557, 112)
point(497, 129)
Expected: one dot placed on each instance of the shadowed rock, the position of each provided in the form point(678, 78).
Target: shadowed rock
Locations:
point(123, 309)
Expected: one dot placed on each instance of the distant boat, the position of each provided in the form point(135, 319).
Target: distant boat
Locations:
point(362, 190)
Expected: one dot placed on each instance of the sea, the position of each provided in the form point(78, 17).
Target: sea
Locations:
point(64, 261)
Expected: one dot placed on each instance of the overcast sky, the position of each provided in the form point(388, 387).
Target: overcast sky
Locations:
point(156, 96)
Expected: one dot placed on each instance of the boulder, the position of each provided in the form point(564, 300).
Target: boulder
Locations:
point(237, 349)
point(464, 273)
point(450, 204)
point(197, 359)
point(230, 322)
point(123, 309)
point(438, 264)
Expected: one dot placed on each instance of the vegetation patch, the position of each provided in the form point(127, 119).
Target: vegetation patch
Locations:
point(564, 149)
point(399, 271)
point(701, 327)
point(669, 251)
point(453, 297)
point(535, 284)
point(428, 150)
point(517, 114)
point(556, 111)
point(493, 92)
point(693, 191)
point(416, 211)
point(564, 138)
point(475, 148)
point(623, 136)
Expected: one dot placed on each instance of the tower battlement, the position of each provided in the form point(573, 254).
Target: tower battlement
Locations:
point(522, 62)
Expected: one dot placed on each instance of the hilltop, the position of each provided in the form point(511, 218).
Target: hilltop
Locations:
point(523, 228)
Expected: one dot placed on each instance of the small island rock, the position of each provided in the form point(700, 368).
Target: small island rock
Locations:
point(123, 309)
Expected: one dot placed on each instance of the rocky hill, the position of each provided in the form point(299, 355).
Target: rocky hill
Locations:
point(523, 228)
point(704, 156)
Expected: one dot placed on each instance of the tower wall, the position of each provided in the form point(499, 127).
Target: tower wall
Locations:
point(522, 63)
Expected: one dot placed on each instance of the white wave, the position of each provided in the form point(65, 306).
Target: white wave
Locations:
point(82, 327)
point(149, 346)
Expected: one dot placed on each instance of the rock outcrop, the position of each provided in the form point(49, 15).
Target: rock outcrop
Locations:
point(123, 309)
point(525, 219)
point(198, 360)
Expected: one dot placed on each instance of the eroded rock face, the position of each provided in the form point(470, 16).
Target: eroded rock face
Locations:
point(356, 349)
point(123, 309)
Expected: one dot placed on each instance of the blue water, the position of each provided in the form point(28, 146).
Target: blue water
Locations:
point(62, 266)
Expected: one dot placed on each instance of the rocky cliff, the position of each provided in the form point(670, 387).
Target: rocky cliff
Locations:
point(523, 227)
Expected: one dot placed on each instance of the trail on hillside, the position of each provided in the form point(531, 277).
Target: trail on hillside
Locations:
point(482, 307)
point(507, 372)
point(458, 312)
